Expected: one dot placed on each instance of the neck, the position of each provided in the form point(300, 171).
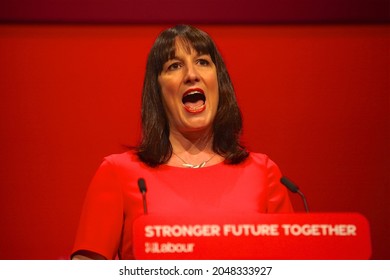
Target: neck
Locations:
point(192, 150)
point(191, 143)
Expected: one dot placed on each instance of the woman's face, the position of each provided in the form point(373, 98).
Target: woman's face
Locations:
point(189, 87)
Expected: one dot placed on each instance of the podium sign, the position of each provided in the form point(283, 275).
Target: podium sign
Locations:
point(301, 236)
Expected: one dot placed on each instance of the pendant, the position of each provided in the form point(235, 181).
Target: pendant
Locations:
point(188, 165)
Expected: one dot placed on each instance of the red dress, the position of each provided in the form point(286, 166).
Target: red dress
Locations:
point(114, 200)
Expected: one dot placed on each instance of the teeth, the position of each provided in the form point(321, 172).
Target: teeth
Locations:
point(194, 92)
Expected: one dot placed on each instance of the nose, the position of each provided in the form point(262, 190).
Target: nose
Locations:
point(191, 75)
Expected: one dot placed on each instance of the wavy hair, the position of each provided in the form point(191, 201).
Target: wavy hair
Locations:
point(155, 147)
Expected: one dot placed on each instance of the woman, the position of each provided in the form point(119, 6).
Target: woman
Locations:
point(190, 155)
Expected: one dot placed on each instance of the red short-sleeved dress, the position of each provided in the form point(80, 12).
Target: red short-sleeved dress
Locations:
point(114, 200)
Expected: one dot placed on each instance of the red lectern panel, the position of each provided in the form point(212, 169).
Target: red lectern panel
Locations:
point(263, 236)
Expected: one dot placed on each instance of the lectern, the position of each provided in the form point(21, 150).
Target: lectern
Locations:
point(298, 236)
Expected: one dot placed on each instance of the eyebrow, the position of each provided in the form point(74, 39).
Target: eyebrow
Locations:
point(197, 55)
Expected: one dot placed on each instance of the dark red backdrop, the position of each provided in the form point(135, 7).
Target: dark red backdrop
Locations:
point(201, 11)
point(314, 97)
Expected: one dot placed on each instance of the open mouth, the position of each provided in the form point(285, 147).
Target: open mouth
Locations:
point(194, 100)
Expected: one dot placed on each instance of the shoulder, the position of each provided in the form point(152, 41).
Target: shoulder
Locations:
point(120, 167)
point(259, 158)
point(262, 161)
point(125, 157)
point(128, 159)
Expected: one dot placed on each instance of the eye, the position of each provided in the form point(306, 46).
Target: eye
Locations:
point(204, 61)
point(174, 66)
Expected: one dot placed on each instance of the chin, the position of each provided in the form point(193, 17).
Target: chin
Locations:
point(199, 126)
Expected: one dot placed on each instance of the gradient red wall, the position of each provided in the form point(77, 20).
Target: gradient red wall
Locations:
point(315, 98)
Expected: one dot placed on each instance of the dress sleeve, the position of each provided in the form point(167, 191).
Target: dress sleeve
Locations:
point(102, 215)
point(278, 199)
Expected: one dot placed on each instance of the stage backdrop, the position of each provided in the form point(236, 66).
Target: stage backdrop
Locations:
point(315, 98)
point(201, 11)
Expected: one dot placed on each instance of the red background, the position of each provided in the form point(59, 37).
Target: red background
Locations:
point(315, 98)
point(201, 11)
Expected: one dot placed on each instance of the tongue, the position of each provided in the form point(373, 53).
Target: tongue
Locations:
point(193, 105)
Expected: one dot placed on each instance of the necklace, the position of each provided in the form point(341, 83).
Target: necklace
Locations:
point(189, 165)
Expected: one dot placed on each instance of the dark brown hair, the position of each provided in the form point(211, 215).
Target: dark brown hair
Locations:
point(155, 147)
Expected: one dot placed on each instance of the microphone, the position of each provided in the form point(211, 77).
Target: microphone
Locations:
point(294, 188)
point(142, 188)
